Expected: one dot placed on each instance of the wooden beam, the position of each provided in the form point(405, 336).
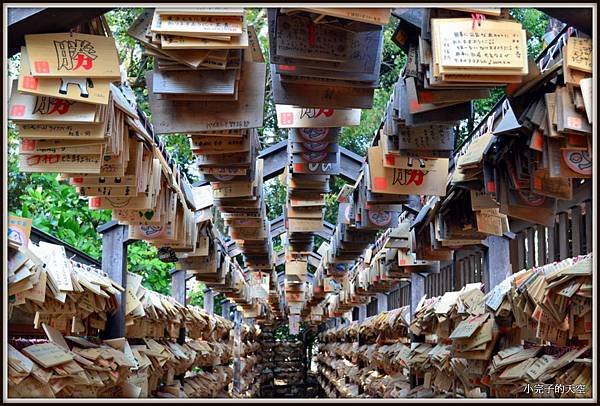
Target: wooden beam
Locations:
point(496, 262)
point(576, 229)
point(225, 307)
point(275, 159)
point(178, 279)
point(237, 348)
point(178, 292)
point(350, 165)
point(530, 247)
point(467, 268)
point(588, 227)
point(209, 301)
point(551, 242)
point(576, 16)
point(38, 235)
point(563, 236)
point(23, 21)
point(362, 312)
point(581, 193)
point(458, 273)
point(114, 264)
point(541, 245)
point(514, 256)
point(417, 290)
point(521, 251)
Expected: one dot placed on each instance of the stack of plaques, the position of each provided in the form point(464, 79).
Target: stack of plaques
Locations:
point(296, 272)
point(513, 334)
point(368, 358)
point(315, 156)
point(326, 57)
point(577, 70)
point(250, 365)
point(118, 368)
point(210, 260)
point(197, 50)
point(209, 82)
point(469, 49)
point(405, 175)
point(288, 371)
point(276, 297)
point(266, 339)
point(189, 96)
point(450, 62)
point(416, 129)
point(410, 142)
point(490, 51)
point(243, 206)
point(73, 120)
point(41, 281)
point(66, 114)
point(391, 260)
point(533, 150)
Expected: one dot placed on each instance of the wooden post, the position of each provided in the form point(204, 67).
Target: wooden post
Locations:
point(477, 271)
point(362, 312)
point(514, 255)
point(520, 251)
point(114, 264)
point(563, 236)
point(225, 306)
point(347, 317)
point(530, 248)
point(417, 290)
point(178, 286)
point(468, 269)
point(541, 245)
point(237, 347)
point(178, 291)
point(458, 274)
point(588, 227)
point(551, 244)
point(382, 303)
point(496, 262)
point(209, 301)
point(576, 228)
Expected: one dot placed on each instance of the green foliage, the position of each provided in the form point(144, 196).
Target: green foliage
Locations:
point(277, 244)
point(196, 296)
point(282, 332)
point(275, 195)
point(54, 206)
point(119, 20)
point(535, 23)
point(142, 259)
point(331, 204)
point(178, 146)
point(17, 181)
point(218, 308)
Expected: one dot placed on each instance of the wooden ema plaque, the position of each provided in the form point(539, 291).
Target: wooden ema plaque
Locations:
point(73, 55)
point(194, 116)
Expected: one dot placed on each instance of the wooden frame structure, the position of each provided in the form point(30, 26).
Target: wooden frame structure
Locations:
point(532, 245)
